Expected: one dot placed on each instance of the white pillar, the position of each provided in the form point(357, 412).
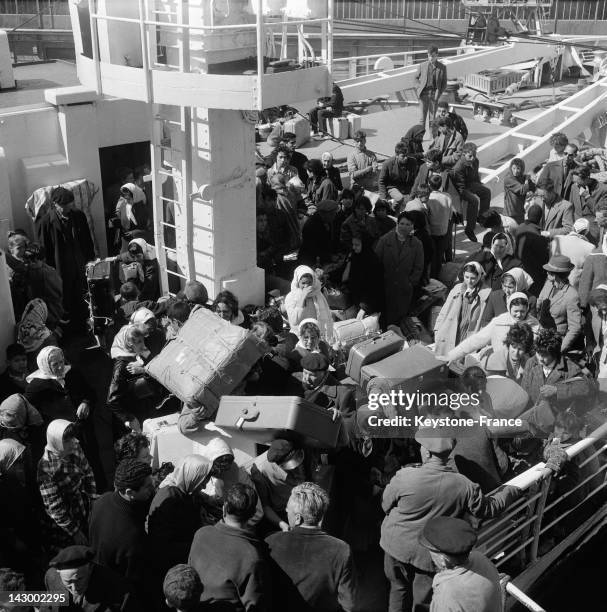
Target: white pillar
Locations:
point(7, 329)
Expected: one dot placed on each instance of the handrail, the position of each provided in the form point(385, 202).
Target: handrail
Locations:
point(522, 598)
point(399, 53)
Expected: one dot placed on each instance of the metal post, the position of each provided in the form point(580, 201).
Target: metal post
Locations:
point(144, 52)
point(95, 44)
point(52, 14)
point(330, 37)
point(39, 11)
point(260, 53)
point(539, 515)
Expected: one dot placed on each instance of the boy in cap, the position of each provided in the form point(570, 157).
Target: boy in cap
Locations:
point(411, 499)
point(86, 585)
point(466, 580)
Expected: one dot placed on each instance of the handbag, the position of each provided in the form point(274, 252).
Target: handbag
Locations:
point(337, 299)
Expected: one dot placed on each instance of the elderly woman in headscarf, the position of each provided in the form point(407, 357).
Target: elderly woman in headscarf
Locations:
point(225, 472)
point(306, 301)
point(67, 486)
point(496, 331)
point(19, 531)
point(461, 314)
point(174, 515)
point(132, 215)
point(516, 279)
point(20, 421)
point(332, 172)
point(414, 139)
point(140, 266)
point(155, 337)
point(131, 391)
point(32, 332)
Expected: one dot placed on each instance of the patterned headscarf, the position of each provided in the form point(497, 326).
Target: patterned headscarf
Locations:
point(32, 331)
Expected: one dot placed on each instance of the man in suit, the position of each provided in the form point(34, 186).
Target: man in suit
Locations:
point(558, 213)
point(431, 83)
point(448, 141)
point(560, 171)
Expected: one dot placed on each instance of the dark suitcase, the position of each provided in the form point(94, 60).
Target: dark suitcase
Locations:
point(267, 417)
point(101, 280)
point(412, 369)
point(371, 351)
point(209, 358)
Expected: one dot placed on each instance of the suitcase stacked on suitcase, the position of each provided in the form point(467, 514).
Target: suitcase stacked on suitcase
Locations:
point(268, 417)
point(208, 359)
point(102, 283)
point(371, 351)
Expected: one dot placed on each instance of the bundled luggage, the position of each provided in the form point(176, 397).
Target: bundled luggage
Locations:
point(299, 126)
point(209, 358)
point(268, 417)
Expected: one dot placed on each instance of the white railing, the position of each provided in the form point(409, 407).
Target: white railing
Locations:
point(363, 65)
point(531, 520)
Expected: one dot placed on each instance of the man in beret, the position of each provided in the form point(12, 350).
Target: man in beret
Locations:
point(319, 237)
point(466, 580)
point(322, 388)
point(88, 587)
point(117, 526)
point(411, 499)
point(64, 234)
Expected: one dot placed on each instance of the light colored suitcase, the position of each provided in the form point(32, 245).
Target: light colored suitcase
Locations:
point(372, 350)
point(352, 331)
point(209, 358)
point(265, 418)
point(354, 123)
point(339, 127)
point(300, 127)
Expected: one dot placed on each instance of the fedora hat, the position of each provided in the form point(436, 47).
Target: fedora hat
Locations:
point(559, 263)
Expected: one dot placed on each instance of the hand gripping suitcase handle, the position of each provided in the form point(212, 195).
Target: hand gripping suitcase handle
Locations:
point(247, 414)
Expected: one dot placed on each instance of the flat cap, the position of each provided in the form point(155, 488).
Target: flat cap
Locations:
point(327, 206)
point(71, 557)
point(285, 454)
point(448, 535)
point(315, 362)
point(435, 441)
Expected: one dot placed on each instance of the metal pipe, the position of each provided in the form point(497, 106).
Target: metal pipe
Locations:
point(524, 599)
point(260, 53)
point(144, 52)
point(95, 45)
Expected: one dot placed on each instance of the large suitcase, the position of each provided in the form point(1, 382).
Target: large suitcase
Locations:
point(354, 123)
point(300, 127)
point(102, 285)
point(412, 369)
point(268, 417)
point(339, 127)
point(352, 331)
point(371, 351)
point(207, 359)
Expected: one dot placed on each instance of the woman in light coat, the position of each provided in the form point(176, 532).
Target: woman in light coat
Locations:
point(495, 333)
point(460, 316)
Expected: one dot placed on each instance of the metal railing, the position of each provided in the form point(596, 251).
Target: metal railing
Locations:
point(540, 520)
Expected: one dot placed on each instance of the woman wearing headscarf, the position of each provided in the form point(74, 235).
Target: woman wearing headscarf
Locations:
point(414, 139)
point(516, 279)
point(19, 531)
point(309, 341)
point(132, 215)
point(174, 515)
point(225, 472)
point(461, 314)
point(286, 207)
point(67, 487)
point(155, 338)
point(306, 301)
point(20, 421)
point(516, 186)
point(332, 172)
point(495, 259)
point(130, 394)
point(140, 266)
point(32, 332)
point(495, 333)
point(362, 276)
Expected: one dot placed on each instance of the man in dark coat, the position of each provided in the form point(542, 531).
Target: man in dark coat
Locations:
point(532, 248)
point(431, 80)
point(230, 559)
point(459, 125)
point(327, 108)
point(319, 240)
point(318, 567)
point(86, 586)
point(117, 526)
point(64, 234)
point(322, 388)
point(560, 171)
point(397, 175)
point(411, 499)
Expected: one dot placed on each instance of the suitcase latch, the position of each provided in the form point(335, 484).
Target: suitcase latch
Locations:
point(247, 415)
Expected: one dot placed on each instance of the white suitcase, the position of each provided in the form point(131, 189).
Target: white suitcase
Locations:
point(339, 127)
point(354, 123)
point(300, 127)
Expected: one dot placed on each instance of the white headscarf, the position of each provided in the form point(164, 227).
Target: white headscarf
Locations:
point(138, 196)
point(44, 370)
point(324, 317)
point(141, 315)
point(54, 436)
point(149, 252)
point(516, 295)
point(120, 346)
point(10, 451)
point(522, 279)
point(189, 475)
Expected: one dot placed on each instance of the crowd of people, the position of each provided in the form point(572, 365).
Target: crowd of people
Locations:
point(210, 534)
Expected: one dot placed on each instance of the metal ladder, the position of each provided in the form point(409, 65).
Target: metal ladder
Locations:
point(172, 165)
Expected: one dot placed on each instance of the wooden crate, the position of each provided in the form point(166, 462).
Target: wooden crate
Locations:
point(492, 81)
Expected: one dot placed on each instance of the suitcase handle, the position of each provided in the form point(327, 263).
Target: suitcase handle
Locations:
point(247, 414)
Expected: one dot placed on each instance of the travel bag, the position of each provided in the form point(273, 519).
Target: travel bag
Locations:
point(299, 126)
point(413, 369)
point(208, 358)
point(371, 351)
point(339, 127)
point(352, 331)
point(354, 123)
point(101, 280)
point(266, 417)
